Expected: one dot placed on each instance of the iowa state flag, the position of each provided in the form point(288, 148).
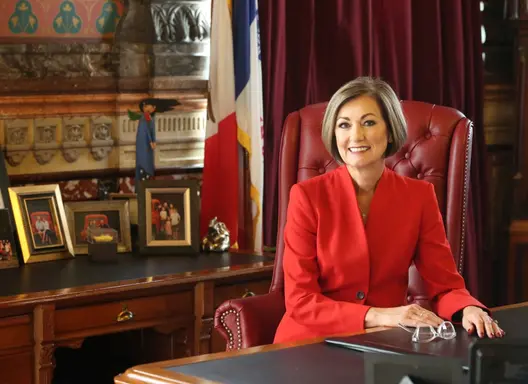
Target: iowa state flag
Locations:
point(235, 118)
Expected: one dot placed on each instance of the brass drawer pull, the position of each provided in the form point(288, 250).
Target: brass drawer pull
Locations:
point(125, 314)
point(248, 294)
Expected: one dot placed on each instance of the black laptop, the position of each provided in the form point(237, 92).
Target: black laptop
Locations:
point(513, 320)
point(398, 341)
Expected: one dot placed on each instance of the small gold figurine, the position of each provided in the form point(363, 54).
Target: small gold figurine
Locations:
point(217, 238)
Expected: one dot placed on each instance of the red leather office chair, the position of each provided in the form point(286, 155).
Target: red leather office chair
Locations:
point(438, 150)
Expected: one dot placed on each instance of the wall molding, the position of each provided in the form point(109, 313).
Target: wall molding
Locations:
point(33, 106)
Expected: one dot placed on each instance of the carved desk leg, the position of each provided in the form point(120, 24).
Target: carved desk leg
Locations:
point(44, 333)
point(203, 314)
point(170, 341)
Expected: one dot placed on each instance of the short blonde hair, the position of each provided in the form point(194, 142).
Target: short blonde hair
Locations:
point(388, 103)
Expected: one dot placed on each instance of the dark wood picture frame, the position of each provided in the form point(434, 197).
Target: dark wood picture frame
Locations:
point(186, 236)
point(5, 203)
point(8, 247)
point(4, 189)
point(132, 204)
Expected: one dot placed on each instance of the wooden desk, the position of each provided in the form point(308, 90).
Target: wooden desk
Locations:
point(159, 373)
point(53, 304)
point(162, 373)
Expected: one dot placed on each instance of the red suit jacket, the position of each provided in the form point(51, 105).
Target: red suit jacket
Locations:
point(335, 268)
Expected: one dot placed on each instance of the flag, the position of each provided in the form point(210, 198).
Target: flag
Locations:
point(235, 118)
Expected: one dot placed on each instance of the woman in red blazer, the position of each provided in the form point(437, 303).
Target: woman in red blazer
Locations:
point(352, 234)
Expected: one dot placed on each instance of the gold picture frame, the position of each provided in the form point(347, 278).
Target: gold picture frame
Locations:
point(113, 214)
point(41, 223)
point(168, 217)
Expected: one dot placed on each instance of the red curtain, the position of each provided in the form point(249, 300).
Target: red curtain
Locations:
point(427, 50)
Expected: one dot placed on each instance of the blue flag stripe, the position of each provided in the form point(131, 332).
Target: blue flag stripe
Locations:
point(244, 12)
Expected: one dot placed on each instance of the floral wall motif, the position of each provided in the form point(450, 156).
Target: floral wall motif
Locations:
point(86, 19)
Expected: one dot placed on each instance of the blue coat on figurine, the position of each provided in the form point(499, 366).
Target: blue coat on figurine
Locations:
point(146, 134)
point(145, 145)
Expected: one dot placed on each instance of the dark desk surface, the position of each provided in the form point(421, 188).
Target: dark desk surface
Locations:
point(66, 277)
point(309, 361)
point(313, 363)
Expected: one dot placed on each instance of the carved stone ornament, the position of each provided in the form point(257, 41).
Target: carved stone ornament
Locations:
point(181, 22)
point(15, 158)
point(73, 142)
point(102, 131)
point(73, 133)
point(100, 153)
point(71, 155)
point(44, 156)
point(46, 134)
point(16, 135)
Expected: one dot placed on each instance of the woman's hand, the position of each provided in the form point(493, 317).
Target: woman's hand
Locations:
point(153, 145)
point(409, 315)
point(475, 317)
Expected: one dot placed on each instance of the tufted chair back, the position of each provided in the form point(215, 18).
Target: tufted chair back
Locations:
point(438, 150)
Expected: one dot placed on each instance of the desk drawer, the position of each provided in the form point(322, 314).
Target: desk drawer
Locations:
point(17, 368)
point(237, 290)
point(15, 332)
point(147, 311)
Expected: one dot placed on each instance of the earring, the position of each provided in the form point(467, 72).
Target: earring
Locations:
point(390, 139)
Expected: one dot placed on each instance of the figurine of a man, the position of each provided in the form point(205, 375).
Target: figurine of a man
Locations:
point(146, 135)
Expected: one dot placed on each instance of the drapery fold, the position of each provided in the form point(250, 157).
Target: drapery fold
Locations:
point(427, 50)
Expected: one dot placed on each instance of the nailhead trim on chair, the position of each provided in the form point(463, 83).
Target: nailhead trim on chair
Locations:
point(465, 200)
point(231, 342)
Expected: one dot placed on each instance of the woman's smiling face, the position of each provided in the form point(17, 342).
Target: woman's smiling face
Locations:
point(361, 132)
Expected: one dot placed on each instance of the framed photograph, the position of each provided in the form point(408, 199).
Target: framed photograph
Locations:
point(4, 185)
point(7, 222)
point(8, 254)
point(85, 215)
point(41, 223)
point(168, 217)
point(132, 204)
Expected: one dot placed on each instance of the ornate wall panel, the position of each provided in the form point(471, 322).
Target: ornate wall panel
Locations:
point(68, 144)
point(151, 40)
point(70, 70)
